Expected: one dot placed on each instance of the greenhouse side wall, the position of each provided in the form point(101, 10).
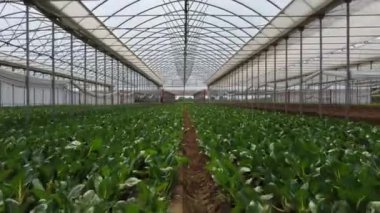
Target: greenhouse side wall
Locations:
point(13, 92)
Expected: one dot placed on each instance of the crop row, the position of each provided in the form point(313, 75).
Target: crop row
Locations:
point(99, 159)
point(285, 163)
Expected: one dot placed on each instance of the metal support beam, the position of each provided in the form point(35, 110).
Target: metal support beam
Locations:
point(52, 64)
point(241, 82)
point(85, 74)
point(348, 78)
point(246, 82)
point(286, 74)
point(231, 86)
point(123, 83)
point(275, 75)
point(252, 79)
point(128, 78)
point(238, 83)
point(118, 82)
point(27, 85)
point(266, 78)
point(71, 71)
point(320, 89)
point(132, 79)
point(96, 76)
point(289, 32)
point(186, 32)
point(301, 95)
point(138, 82)
point(258, 79)
point(105, 78)
point(112, 83)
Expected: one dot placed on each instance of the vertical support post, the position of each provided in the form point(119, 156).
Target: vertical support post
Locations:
point(230, 87)
point(348, 77)
point(160, 93)
point(236, 85)
point(43, 96)
point(219, 84)
point(246, 80)
point(138, 82)
point(186, 35)
point(112, 85)
point(275, 76)
point(227, 87)
point(118, 82)
point(27, 85)
point(34, 96)
point(85, 74)
point(241, 82)
point(320, 94)
point(13, 95)
point(301, 95)
point(286, 75)
point(123, 83)
point(233, 84)
point(53, 64)
point(127, 84)
point(258, 79)
point(71, 70)
point(143, 86)
point(96, 76)
point(266, 78)
point(134, 86)
point(1, 97)
point(252, 80)
point(27, 74)
point(105, 78)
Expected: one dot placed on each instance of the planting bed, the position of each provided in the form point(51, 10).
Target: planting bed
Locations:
point(272, 162)
point(131, 159)
point(81, 159)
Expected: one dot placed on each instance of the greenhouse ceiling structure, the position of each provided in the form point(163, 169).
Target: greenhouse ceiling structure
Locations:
point(236, 49)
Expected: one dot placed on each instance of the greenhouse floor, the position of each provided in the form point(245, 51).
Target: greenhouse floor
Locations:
point(365, 113)
point(196, 191)
point(185, 158)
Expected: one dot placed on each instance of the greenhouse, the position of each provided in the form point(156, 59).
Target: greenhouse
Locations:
point(190, 106)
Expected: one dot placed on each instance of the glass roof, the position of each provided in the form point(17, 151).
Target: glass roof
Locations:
point(13, 48)
point(155, 32)
point(364, 51)
point(150, 35)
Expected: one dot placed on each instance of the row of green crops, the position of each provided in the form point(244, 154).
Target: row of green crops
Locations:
point(271, 162)
point(88, 159)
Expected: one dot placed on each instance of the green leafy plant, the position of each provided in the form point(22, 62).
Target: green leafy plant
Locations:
point(88, 159)
point(275, 162)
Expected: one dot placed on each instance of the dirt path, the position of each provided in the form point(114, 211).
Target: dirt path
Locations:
point(195, 191)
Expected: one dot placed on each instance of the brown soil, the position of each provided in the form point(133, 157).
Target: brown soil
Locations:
point(369, 114)
point(195, 191)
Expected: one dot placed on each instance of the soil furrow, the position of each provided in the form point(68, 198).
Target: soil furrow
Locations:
point(195, 192)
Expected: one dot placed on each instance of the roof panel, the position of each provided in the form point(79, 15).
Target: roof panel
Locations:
point(155, 30)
